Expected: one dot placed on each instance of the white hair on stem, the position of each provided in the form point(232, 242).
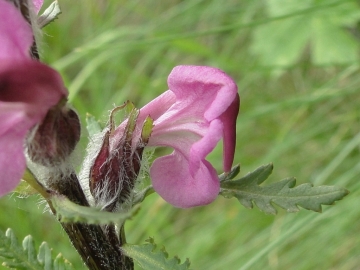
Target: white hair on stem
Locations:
point(92, 151)
point(105, 193)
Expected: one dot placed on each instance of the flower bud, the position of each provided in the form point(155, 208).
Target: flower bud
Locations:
point(117, 165)
point(55, 138)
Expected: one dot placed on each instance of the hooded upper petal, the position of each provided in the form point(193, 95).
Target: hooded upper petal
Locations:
point(215, 95)
point(200, 108)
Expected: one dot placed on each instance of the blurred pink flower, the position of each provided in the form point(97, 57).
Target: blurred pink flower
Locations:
point(199, 110)
point(38, 4)
point(28, 89)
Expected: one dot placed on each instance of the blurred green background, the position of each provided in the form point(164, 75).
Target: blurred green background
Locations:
point(296, 64)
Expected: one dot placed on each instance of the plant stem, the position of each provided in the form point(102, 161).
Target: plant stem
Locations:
point(98, 246)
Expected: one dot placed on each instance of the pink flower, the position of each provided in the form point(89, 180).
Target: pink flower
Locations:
point(38, 4)
point(199, 110)
point(28, 89)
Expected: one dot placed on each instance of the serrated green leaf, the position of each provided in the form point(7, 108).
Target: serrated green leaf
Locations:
point(61, 263)
point(282, 193)
point(92, 125)
point(67, 211)
point(16, 256)
point(231, 175)
point(150, 258)
point(29, 247)
point(44, 256)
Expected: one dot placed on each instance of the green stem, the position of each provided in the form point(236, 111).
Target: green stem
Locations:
point(35, 184)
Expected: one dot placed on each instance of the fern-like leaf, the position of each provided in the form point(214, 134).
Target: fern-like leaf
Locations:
point(150, 258)
point(230, 175)
point(282, 193)
point(17, 256)
point(67, 211)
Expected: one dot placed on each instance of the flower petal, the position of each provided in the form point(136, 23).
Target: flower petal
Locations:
point(28, 89)
point(158, 106)
point(229, 134)
point(203, 94)
point(202, 82)
point(154, 108)
point(205, 110)
point(172, 180)
point(200, 108)
point(14, 126)
point(16, 34)
point(38, 4)
point(205, 145)
point(32, 83)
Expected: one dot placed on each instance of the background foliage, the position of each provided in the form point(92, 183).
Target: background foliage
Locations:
point(296, 65)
